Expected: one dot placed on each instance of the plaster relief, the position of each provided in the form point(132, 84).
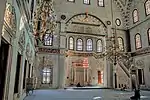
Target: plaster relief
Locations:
point(10, 17)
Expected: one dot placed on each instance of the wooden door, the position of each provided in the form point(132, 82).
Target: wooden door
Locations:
point(99, 77)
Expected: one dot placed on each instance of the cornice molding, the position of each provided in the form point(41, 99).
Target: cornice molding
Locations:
point(141, 51)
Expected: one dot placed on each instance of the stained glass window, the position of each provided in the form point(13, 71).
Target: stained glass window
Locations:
point(79, 44)
point(100, 3)
point(71, 43)
point(138, 43)
point(89, 44)
point(86, 1)
point(48, 39)
point(135, 16)
point(120, 43)
point(99, 46)
point(147, 7)
point(47, 75)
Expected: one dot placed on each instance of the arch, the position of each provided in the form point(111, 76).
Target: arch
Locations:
point(147, 7)
point(138, 41)
point(121, 43)
point(79, 44)
point(99, 45)
point(89, 44)
point(135, 16)
point(88, 15)
point(71, 43)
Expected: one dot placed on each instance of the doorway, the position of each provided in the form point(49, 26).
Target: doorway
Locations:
point(141, 76)
point(3, 65)
point(100, 77)
point(17, 73)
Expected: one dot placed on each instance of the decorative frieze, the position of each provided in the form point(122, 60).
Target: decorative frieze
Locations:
point(79, 54)
point(48, 50)
point(141, 52)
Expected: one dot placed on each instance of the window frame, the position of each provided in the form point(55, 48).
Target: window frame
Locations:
point(148, 35)
point(69, 43)
point(49, 40)
point(133, 17)
point(46, 76)
point(97, 45)
point(145, 8)
point(99, 5)
point(77, 44)
point(136, 42)
point(122, 43)
point(87, 3)
point(117, 19)
point(89, 45)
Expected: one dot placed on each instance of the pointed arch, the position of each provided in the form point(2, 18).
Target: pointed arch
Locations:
point(100, 21)
point(121, 43)
point(71, 43)
point(147, 7)
point(135, 16)
point(99, 45)
point(79, 44)
point(89, 44)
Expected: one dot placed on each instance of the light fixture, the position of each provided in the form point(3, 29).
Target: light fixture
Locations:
point(45, 19)
point(114, 54)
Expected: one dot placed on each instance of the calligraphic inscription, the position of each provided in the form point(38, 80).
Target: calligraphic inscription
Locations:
point(48, 50)
point(71, 53)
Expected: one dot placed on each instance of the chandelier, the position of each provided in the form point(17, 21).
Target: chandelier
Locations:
point(45, 18)
point(114, 53)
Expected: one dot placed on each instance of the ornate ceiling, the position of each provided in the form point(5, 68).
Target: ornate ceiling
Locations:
point(124, 8)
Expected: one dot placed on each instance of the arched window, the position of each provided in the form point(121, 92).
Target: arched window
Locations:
point(100, 3)
point(135, 16)
point(47, 73)
point(147, 7)
point(79, 44)
point(86, 2)
point(99, 46)
point(89, 45)
point(138, 42)
point(71, 43)
point(121, 43)
point(148, 33)
point(48, 39)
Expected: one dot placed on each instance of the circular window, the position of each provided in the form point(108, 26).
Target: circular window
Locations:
point(118, 22)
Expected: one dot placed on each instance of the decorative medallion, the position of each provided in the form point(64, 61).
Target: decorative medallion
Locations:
point(63, 17)
point(108, 23)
